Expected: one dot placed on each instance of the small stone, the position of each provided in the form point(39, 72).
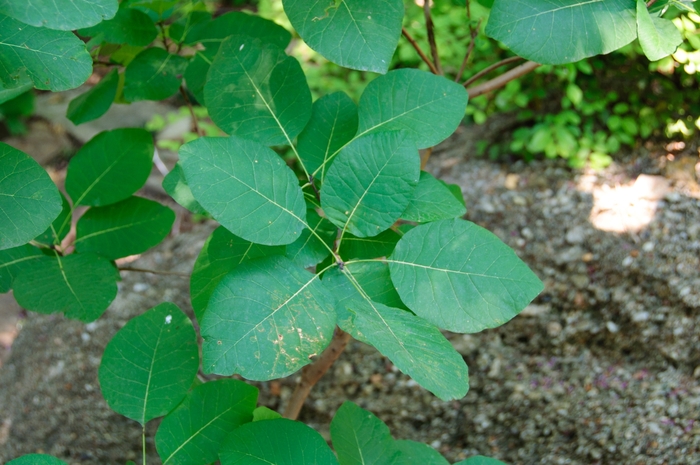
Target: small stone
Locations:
point(486, 206)
point(576, 235)
point(520, 200)
point(581, 281)
point(535, 310)
point(554, 328)
point(640, 316)
point(654, 428)
point(527, 233)
point(140, 287)
point(648, 246)
point(627, 261)
point(612, 327)
point(512, 181)
point(587, 257)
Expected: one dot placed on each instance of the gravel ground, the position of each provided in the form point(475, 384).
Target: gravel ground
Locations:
point(604, 366)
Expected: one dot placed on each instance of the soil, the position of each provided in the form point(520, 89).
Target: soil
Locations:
point(603, 367)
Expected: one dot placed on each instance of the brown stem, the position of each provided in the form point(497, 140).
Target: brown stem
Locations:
point(195, 125)
point(426, 156)
point(502, 80)
point(650, 3)
point(143, 270)
point(310, 374)
point(430, 29)
point(422, 55)
point(473, 32)
point(490, 68)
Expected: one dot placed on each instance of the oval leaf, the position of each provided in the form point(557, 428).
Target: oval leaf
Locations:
point(53, 60)
point(377, 246)
point(246, 187)
point(562, 31)
point(129, 26)
point(265, 320)
point(413, 452)
point(13, 262)
point(213, 33)
point(333, 124)
point(415, 346)
point(80, 285)
point(29, 200)
point(55, 233)
point(125, 228)
point(193, 433)
point(658, 37)
point(154, 74)
point(480, 460)
point(310, 249)
point(279, 442)
point(96, 101)
point(359, 437)
point(149, 365)
point(222, 252)
point(358, 34)
point(65, 15)
point(432, 201)
point(426, 106)
point(254, 90)
point(110, 167)
point(371, 182)
point(460, 276)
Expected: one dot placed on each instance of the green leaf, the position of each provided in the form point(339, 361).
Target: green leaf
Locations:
point(15, 89)
point(96, 101)
point(371, 182)
point(426, 106)
point(175, 185)
point(29, 200)
point(149, 365)
point(377, 246)
point(36, 459)
point(432, 201)
point(263, 413)
point(246, 187)
point(374, 279)
point(154, 74)
point(357, 34)
point(110, 167)
point(562, 31)
point(129, 26)
point(658, 37)
point(53, 60)
point(212, 34)
point(222, 252)
point(413, 452)
point(54, 234)
point(460, 276)
point(265, 320)
point(129, 227)
point(415, 346)
point(193, 433)
point(359, 437)
point(65, 15)
point(279, 442)
point(333, 124)
point(80, 285)
point(309, 250)
point(254, 90)
point(480, 460)
point(13, 261)
point(186, 29)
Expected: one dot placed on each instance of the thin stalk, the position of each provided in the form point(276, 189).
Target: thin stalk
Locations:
point(310, 374)
point(143, 444)
point(143, 270)
point(502, 80)
point(473, 33)
point(422, 54)
point(195, 125)
point(490, 68)
point(430, 29)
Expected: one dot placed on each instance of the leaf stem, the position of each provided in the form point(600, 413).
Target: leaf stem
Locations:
point(422, 55)
point(490, 68)
point(143, 444)
point(195, 125)
point(473, 31)
point(143, 270)
point(503, 79)
point(310, 374)
point(430, 29)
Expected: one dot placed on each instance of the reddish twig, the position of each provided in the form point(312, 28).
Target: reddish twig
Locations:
point(195, 125)
point(490, 68)
point(502, 80)
point(412, 41)
point(310, 374)
point(430, 29)
point(473, 33)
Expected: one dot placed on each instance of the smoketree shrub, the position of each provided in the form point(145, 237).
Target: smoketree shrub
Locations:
point(357, 241)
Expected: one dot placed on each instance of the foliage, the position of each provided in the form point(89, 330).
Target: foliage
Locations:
point(356, 242)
